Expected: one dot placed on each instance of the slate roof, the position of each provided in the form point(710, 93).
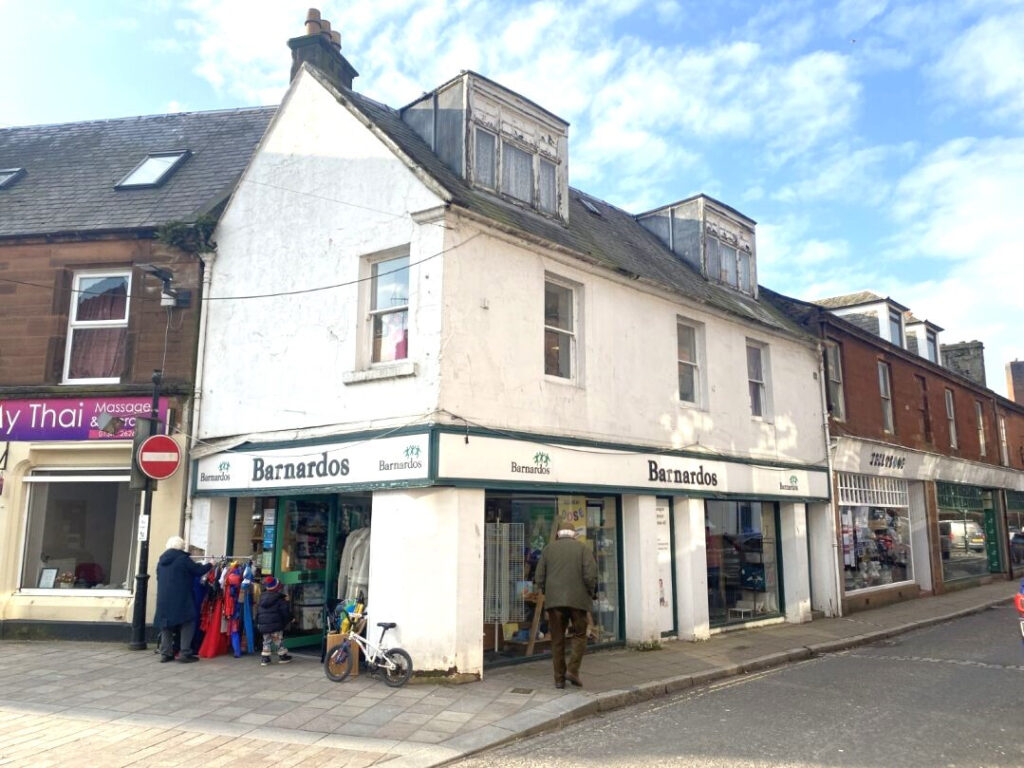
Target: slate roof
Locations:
point(615, 239)
point(849, 300)
point(71, 170)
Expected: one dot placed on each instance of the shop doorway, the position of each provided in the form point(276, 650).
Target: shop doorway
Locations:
point(320, 555)
point(518, 527)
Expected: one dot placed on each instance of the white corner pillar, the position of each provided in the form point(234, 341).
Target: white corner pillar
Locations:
point(640, 577)
point(825, 556)
point(213, 513)
point(691, 569)
point(427, 576)
point(795, 567)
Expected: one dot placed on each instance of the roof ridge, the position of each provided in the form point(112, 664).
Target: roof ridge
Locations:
point(154, 116)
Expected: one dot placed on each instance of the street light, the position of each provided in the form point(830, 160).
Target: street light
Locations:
point(138, 641)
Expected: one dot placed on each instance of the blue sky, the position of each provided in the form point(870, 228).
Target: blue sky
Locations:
point(878, 144)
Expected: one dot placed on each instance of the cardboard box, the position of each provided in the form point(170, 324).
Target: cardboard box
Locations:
point(333, 639)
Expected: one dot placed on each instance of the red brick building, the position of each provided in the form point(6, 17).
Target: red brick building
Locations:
point(928, 465)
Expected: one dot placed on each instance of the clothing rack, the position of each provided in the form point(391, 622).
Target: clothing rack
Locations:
point(239, 558)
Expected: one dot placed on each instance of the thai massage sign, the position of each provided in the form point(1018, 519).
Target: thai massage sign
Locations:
point(87, 418)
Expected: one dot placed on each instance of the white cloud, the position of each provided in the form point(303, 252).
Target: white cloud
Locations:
point(852, 15)
point(985, 67)
point(854, 176)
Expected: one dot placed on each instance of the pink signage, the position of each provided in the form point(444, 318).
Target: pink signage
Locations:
point(85, 418)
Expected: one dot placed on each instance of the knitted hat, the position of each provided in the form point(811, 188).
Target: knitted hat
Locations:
point(271, 584)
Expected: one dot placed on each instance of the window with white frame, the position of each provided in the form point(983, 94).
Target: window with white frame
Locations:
point(1004, 451)
point(896, 327)
point(951, 418)
point(389, 309)
point(834, 380)
point(932, 346)
point(97, 327)
point(979, 414)
point(729, 264)
point(885, 392)
point(559, 329)
point(757, 379)
point(486, 162)
point(79, 530)
point(154, 170)
point(689, 351)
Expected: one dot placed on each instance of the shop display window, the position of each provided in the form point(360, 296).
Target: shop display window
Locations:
point(80, 532)
point(518, 529)
point(876, 546)
point(966, 525)
point(742, 561)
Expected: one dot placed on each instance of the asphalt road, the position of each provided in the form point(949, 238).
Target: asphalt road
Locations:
point(949, 695)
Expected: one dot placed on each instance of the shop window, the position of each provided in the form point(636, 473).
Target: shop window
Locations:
point(757, 379)
point(689, 352)
point(951, 418)
point(518, 527)
point(979, 416)
point(834, 377)
point(389, 309)
point(876, 546)
point(560, 347)
point(885, 392)
point(742, 562)
point(80, 530)
point(97, 328)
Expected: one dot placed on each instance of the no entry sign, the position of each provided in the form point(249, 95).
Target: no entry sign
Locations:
point(159, 457)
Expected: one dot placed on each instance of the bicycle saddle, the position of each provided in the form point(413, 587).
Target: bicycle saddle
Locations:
point(386, 624)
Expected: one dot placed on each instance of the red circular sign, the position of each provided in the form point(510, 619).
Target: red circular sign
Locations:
point(159, 457)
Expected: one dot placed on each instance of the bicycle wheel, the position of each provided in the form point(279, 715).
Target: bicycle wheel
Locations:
point(338, 664)
point(398, 667)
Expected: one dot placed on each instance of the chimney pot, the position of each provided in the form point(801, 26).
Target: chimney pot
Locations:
point(325, 28)
point(336, 39)
point(313, 14)
point(313, 22)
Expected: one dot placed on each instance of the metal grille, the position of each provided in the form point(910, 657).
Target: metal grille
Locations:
point(504, 570)
point(1015, 500)
point(871, 491)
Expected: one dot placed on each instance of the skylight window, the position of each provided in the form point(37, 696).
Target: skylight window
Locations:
point(154, 170)
point(589, 206)
point(10, 175)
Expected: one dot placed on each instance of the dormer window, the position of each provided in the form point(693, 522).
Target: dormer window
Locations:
point(8, 176)
point(728, 264)
point(896, 327)
point(932, 346)
point(516, 173)
point(486, 158)
point(154, 170)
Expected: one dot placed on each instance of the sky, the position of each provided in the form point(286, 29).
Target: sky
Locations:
point(879, 144)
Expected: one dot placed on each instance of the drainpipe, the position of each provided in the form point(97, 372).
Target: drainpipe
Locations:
point(206, 269)
point(832, 501)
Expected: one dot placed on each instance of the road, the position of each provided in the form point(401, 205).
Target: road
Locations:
point(949, 695)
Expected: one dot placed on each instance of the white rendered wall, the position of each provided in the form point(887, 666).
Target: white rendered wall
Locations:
point(492, 368)
point(919, 542)
point(427, 575)
point(824, 564)
point(796, 581)
point(640, 576)
point(691, 569)
point(321, 192)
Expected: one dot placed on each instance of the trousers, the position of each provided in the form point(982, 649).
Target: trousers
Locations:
point(575, 620)
point(188, 629)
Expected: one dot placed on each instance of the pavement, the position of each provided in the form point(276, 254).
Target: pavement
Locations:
point(100, 704)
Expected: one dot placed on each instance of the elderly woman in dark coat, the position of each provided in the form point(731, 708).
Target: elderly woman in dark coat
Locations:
point(175, 607)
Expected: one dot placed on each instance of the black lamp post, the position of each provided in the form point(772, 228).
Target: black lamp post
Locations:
point(138, 642)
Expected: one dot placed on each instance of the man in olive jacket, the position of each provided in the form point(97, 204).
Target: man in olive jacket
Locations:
point(567, 577)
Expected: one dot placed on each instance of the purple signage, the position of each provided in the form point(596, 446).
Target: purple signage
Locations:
point(86, 418)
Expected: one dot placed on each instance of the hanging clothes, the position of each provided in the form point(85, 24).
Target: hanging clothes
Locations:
point(215, 642)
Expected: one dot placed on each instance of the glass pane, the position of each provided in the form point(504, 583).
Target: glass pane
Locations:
point(391, 283)
point(557, 354)
point(883, 380)
point(933, 354)
point(517, 173)
point(744, 267)
point(97, 353)
point(547, 187)
point(102, 298)
point(390, 337)
point(754, 364)
point(895, 329)
point(485, 144)
point(962, 543)
point(151, 171)
point(557, 306)
point(687, 383)
point(714, 260)
point(741, 561)
point(729, 265)
point(756, 399)
point(79, 535)
point(876, 546)
point(687, 343)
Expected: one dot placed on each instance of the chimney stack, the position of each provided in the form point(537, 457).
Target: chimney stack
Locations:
point(966, 358)
point(1015, 381)
point(321, 48)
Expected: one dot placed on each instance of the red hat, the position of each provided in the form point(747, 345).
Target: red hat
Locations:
point(270, 583)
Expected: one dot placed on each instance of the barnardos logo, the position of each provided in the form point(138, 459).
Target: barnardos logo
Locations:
point(541, 465)
point(223, 474)
point(690, 476)
point(412, 460)
point(298, 470)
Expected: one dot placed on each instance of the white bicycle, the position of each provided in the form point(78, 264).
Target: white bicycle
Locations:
point(394, 664)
